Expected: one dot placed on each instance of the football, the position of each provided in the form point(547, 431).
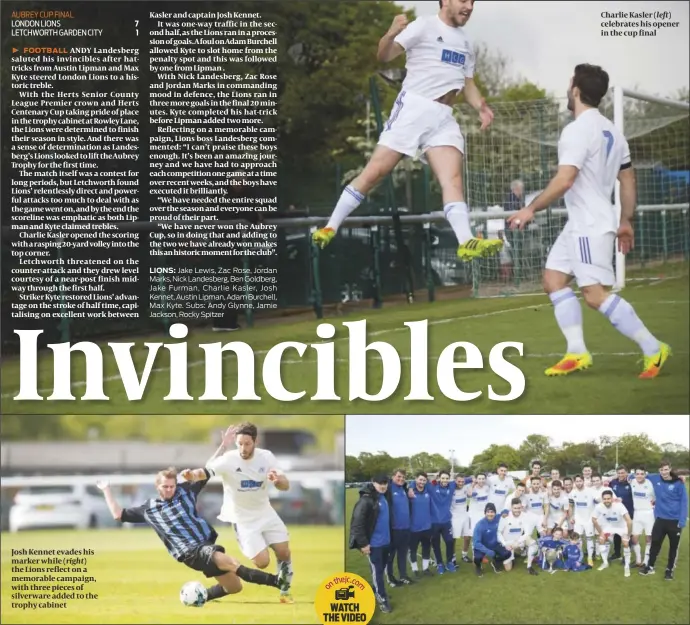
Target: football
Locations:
point(193, 594)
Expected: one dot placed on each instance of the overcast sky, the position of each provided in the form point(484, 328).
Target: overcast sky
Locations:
point(406, 435)
point(546, 55)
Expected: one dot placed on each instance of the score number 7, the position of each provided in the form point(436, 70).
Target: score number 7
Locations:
point(136, 30)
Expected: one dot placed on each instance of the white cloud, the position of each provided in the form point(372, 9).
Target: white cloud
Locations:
point(406, 435)
point(545, 40)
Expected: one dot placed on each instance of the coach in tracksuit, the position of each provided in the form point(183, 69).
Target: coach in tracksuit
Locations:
point(622, 490)
point(370, 532)
point(399, 507)
point(670, 512)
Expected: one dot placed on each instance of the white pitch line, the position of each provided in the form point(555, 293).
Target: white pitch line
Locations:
point(198, 363)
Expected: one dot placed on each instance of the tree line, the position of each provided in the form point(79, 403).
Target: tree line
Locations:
point(633, 450)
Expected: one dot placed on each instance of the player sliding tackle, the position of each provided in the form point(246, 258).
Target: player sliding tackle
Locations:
point(592, 154)
point(187, 536)
point(440, 64)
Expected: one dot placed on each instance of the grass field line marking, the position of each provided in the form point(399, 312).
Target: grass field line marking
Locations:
point(198, 363)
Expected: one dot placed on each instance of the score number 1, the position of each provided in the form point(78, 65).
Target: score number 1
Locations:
point(136, 30)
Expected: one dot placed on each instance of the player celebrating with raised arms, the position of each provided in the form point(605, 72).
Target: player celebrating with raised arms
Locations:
point(187, 536)
point(440, 64)
point(246, 473)
point(592, 154)
point(610, 518)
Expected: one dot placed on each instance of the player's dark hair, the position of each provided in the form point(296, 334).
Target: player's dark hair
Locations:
point(556, 529)
point(586, 465)
point(641, 468)
point(556, 483)
point(574, 536)
point(593, 83)
point(502, 465)
point(607, 492)
point(248, 429)
point(444, 472)
point(578, 475)
point(480, 473)
point(535, 477)
point(664, 463)
point(422, 474)
point(567, 479)
point(440, 3)
point(401, 471)
point(536, 463)
point(596, 475)
point(515, 502)
point(623, 467)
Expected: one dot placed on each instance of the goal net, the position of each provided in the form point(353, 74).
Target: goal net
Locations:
point(512, 162)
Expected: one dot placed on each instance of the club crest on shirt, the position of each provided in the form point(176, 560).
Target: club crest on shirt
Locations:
point(452, 57)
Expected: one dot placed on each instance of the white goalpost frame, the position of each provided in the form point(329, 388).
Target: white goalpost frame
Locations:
point(619, 121)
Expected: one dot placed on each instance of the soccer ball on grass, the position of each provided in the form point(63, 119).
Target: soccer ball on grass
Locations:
point(193, 594)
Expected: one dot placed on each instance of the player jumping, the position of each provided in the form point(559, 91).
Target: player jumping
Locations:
point(440, 64)
point(592, 154)
point(246, 472)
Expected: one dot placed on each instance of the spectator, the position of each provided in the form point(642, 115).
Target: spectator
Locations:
point(515, 200)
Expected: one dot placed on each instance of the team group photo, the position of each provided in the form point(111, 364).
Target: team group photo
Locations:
point(528, 514)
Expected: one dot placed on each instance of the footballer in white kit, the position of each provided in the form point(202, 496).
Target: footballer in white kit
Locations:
point(536, 498)
point(583, 508)
point(558, 507)
point(643, 520)
point(246, 473)
point(440, 65)
point(479, 497)
point(500, 486)
point(459, 511)
point(609, 518)
point(592, 155)
point(515, 534)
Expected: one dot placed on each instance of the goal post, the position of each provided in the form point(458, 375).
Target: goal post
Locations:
point(619, 94)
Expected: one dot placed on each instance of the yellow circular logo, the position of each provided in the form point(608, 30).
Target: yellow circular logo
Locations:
point(345, 598)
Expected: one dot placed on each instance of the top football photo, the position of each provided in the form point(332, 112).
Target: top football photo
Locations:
point(480, 208)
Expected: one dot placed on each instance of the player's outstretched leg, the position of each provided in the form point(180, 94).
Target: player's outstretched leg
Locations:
point(446, 163)
point(382, 162)
point(624, 318)
point(568, 312)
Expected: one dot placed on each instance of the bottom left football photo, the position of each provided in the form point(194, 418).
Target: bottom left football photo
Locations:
point(146, 519)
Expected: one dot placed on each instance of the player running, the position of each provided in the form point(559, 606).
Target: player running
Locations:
point(187, 536)
point(592, 154)
point(610, 518)
point(440, 64)
point(643, 520)
point(515, 535)
point(583, 507)
point(246, 472)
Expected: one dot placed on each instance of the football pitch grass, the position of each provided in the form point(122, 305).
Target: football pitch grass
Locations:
point(611, 386)
point(138, 582)
point(517, 597)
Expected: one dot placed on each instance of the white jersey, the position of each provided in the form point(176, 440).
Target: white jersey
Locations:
point(610, 517)
point(245, 487)
point(587, 481)
point(478, 501)
point(439, 57)
point(596, 493)
point(598, 149)
point(512, 528)
point(557, 507)
point(458, 506)
point(535, 503)
point(508, 503)
point(643, 495)
point(499, 489)
point(583, 504)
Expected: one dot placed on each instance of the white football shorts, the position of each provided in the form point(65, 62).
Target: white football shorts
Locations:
point(589, 258)
point(643, 522)
point(610, 530)
point(584, 527)
point(461, 526)
point(253, 538)
point(417, 124)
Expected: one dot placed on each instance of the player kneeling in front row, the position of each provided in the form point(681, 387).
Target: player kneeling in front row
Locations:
point(515, 534)
point(187, 536)
point(592, 154)
point(610, 518)
point(440, 64)
point(246, 472)
point(485, 542)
